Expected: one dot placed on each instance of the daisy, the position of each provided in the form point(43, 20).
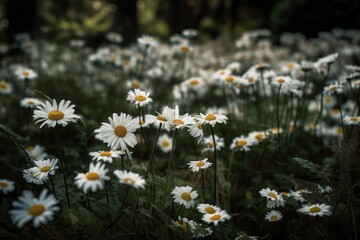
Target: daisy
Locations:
point(206, 208)
point(333, 88)
point(281, 81)
point(6, 186)
point(195, 166)
point(196, 84)
point(211, 118)
point(316, 210)
point(165, 143)
point(45, 167)
point(186, 224)
point(38, 210)
point(257, 136)
point(189, 33)
point(184, 47)
point(147, 41)
point(273, 216)
point(29, 175)
point(146, 121)
point(120, 132)
point(216, 217)
point(36, 152)
point(196, 130)
point(184, 196)
point(138, 97)
point(298, 195)
point(5, 88)
point(53, 114)
point(160, 118)
point(242, 143)
point(92, 180)
point(106, 156)
point(130, 179)
point(114, 37)
point(273, 197)
point(175, 120)
point(23, 74)
point(209, 143)
point(352, 120)
point(30, 102)
point(306, 66)
point(329, 101)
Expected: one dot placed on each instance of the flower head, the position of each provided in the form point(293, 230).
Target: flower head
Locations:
point(138, 97)
point(105, 156)
point(211, 118)
point(184, 196)
point(5, 88)
point(130, 179)
point(175, 120)
point(23, 74)
point(206, 208)
point(352, 120)
point(216, 217)
point(165, 143)
point(242, 143)
point(92, 180)
point(30, 102)
point(195, 166)
point(274, 198)
point(6, 186)
point(316, 210)
point(29, 175)
point(44, 168)
point(273, 216)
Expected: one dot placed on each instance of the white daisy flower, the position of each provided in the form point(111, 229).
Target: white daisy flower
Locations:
point(130, 179)
point(206, 208)
point(273, 216)
point(165, 143)
point(242, 143)
point(53, 114)
point(5, 88)
point(196, 131)
point(6, 186)
point(44, 168)
point(216, 217)
point(298, 195)
point(281, 81)
point(94, 179)
point(106, 156)
point(36, 152)
point(138, 97)
point(211, 118)
point(333, 88)
point(38, 210)
point(195, 166)
point(193, 83)
point(257, 136)
point(30, 102)
point(160, 118)
point(186, 224)
point(273, 197)
point(184, 196)
point(175, 120)
point(120, 132)
point(29, 175)
point(114, 37)
point(209, 143)
point(23, 74)
point(316, 210)
point(352, 120)
point(147, 41)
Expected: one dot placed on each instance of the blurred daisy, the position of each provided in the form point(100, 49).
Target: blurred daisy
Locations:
point(209, 143)
point(196, 131)
point(298, 195)
point(6, 186)
point(273, 216)
point(94, 179)
point(106, 156)
point(281, 80)
point(216, 217)
point(316, 210)
point(352, 120)
point(29, 176)
point(208, 208)
point(211, 118)
point(257, 136)
point(114, 37)
point(165, 143)
point(138, 97)
point(147, 41)
point(195, 166)
point(36, 152)
point(120, 132)
point(23, 74)
point(5, 88)
point(53, 114)
point(189, 33)
point(130, 179)
point(273, 197)
point(242, 143)
point(184, 196)
point(38, 210)
point(333, 88)
point(186, 224)
point(30, 102)
point(44, 168)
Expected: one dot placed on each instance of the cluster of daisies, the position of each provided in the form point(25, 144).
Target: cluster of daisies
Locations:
point(276, 200)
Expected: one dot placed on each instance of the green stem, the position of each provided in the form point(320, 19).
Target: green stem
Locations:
point(278, 118)
point(203, 185)
point(215, 164)
point(52, 185)
point(153, 151)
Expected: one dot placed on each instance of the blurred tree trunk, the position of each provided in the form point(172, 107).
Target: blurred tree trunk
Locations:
point(125, 19)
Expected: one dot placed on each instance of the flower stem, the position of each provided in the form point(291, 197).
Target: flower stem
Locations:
point(278, 117)
point(52, 185)
point(152, 152)
point(178, 213)
point(215, 164)
point(203, 185)
point(106, 192)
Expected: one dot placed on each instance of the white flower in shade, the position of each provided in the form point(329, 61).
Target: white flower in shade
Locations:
point(316, 210)
point(273, 197)
point(175, 120)
point(106, 156)
point(29, 175)
point(130, 179)
point(165, 143)
point(211, 118)
point(44, 168)
point(23, 74)
point(333, 88)
point(328, 59)
point(147, 41)
point(206, 208)
point(53, 114)
point(195, 166)
point(273, 216)
point(138, 97)
point(230, 80)
point(120, 132)
point(193, 83)
point(196, 131)
point(242, 143)
point(257, 136)
point(30, 102)
point(209, 143)
point(189, 33)
point(36, 152)
point(216, 217)
point(329, 101)
point(38, 210)
point(6, 186)
point(234, 66)
point(114, 37)
point(281, 81)
point(352, 120)
point(94, 179)
point(160, 118)
point(186, 224)
point(184, 196)
point(5, 88)
point(221, 73)
point(298, 195)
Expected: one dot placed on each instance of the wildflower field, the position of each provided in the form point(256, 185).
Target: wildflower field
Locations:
point(246, 138)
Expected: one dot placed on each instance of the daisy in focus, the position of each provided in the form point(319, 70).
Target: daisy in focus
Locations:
point(195, 166)
point(206, 208)
point(6, 186)
point(175, 120)
point(138, 97)
point(216, 217)
point(130, 179)
point(94, 179)
point(211, 118)
point(273, 216)
point(274, 198)
point(29, 176)
point(44, 168)
point(38, 210)
point(184, 195)
point(105, 156)
point(316, 210)
point(54, 114)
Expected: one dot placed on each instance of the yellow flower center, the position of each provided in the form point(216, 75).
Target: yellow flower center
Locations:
point(194, 82)
point(30, 102)
point(229, 79)
point(92, 176)
point(273, 195)
point(353, 119)
point(105, 154)
point(25, 73)
point(3, 184)
point(333, 88)
point(199, 126)
point(185, 49)
point(186, 196)
point(161, 118)
point(199, 164)
point(241, 143)
point(273, 218)
point(315, 209)
point(327, 100)
point(335, 111)
point(140, 98)
point(29, 148)
point(281, 80)
point(135, 84)
point(210, 210)
point(259, 136)
point(290, 65)
point(45, 169)
point(55, 115)
point(285, 194)
point(275, 130)
point(3, 85)
point(215, 217)
point(339, 130)
point(129, 181)
point(165, 143)
point(210, 117)
point(250, 80)
point(36, 210)
point(177, 122)
point(185, 226)
point(120, 131)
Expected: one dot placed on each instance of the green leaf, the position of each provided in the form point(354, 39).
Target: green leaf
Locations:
point(312, 167)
